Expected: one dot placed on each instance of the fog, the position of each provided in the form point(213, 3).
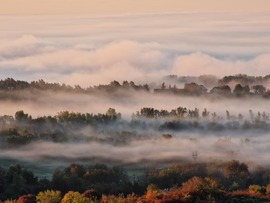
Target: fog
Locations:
point(145, 144)
point(249, 148)
point(50, 103)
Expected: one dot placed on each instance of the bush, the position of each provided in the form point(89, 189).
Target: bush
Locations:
point(201, 189)
point(75, 197)
point(49, 196)
point(92, 194)
point(257, 189)
point(27, 199)
point(267, 189)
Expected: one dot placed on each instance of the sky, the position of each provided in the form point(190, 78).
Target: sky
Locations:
point(94, 42)
point(112, 7)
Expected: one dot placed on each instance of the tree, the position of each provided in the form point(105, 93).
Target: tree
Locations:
point(166, 178)
point(258, 89)
point(74, 197)
point(2, 180)
point(27, 199)
point(194, 89)
point(236, 172)
point(49, 196)
point(181, 112)
point(147, 112)
point(257, 189)
point(92, 194)
point(205, 113)
point(222, 90)
point(21, 116)
point(163, 86)
point(21, 180)
point(112, 114)
point(267, 189)
point(114, 85)
point(75, 169)
point(194, 113)
point(240, 90)
point(202, 189)
point(59, 181)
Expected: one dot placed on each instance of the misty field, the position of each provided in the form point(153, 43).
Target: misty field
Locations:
point(164, 137)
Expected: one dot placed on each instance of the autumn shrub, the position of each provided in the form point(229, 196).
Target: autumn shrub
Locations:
point(257, 189)
point(27, 199)
point(132, 198)
point(198, 188)
point(92, 194)
point(173, 196)
point(10, 201)
point(267, 189)
point(121, 199)
point(49, 196)
point(75, 197)
point(153, 194)
point(247, 196)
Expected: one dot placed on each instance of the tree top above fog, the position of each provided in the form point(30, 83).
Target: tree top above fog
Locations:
point(235, 85)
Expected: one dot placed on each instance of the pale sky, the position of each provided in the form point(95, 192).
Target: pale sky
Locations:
point(114, 7)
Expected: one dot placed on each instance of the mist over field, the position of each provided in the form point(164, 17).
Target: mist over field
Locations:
point(249, 147)
point(131, 141)
point(50, 103)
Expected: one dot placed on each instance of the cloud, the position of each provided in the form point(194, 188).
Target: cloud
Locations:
point(127, 60)
point(23, 46)
point(88, 50)
point(124, 60)
point(198, 63)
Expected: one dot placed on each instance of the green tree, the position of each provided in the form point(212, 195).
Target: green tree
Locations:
point(236, 172)
point(75, 169)
point(20, 181)
point(92, 194)
point(2, 180)
point(258, 89)
point(112, 114)
point(21, 116)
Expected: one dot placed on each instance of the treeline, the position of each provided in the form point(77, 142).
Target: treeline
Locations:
point(194, 89)
point(22, 128)
point(211, 80)
point(182, 118)
point(10, 84)
point(67, 126)
point(230, 181)
point(229, 86)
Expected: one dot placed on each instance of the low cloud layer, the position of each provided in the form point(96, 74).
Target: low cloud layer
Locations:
point(86, 50)
point(200, 64)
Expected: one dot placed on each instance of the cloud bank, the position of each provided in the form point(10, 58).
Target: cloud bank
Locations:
point(91, 50)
